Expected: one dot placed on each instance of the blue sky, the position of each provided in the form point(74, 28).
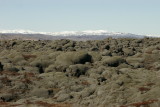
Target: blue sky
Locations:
point(132, 16)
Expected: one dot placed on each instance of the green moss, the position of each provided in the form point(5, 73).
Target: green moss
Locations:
point(70, 58)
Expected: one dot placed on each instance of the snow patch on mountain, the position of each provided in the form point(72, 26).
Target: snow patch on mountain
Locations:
point(76, 33)
point(63, 33)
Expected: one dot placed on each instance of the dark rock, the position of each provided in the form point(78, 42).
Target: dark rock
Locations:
point(13, 69)
point(13, 43)
point(107, 47)
point(7, 97)
point(1, 67)
point(94, 49)
point(77, 70)
point(40, 68)
point(101, 79)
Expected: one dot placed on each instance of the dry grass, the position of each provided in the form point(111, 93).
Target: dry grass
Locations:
point(9, 73)
point(85, 83)
point(6, 104)
point(150, 84)
point(45, 104)
point(29, 74)
point(5, 80)
point(143, 89)
point(145, 103)
point(26, 81)
point(140, 104)
point(27, 57)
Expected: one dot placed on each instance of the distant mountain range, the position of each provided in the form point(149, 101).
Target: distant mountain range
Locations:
point(73, 35)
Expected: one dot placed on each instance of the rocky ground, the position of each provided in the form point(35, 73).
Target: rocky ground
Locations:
point(64, 73)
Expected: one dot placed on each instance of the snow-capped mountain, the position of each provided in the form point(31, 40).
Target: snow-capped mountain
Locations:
point(18, 32)
point(73, 35)
point(64, 33)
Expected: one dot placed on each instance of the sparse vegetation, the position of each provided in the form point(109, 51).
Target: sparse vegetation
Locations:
point(64, 73)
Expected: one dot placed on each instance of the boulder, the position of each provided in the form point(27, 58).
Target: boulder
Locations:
point(113, 61)
point(77, 70)
point(7, 97)
point(96, 56)
point(64, 97)
point(70, 58)
point(41, 92)
point(128, 52)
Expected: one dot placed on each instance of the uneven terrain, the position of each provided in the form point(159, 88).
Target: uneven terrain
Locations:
point(121, 72)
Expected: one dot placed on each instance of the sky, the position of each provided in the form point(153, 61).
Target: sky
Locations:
point(129, 16)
